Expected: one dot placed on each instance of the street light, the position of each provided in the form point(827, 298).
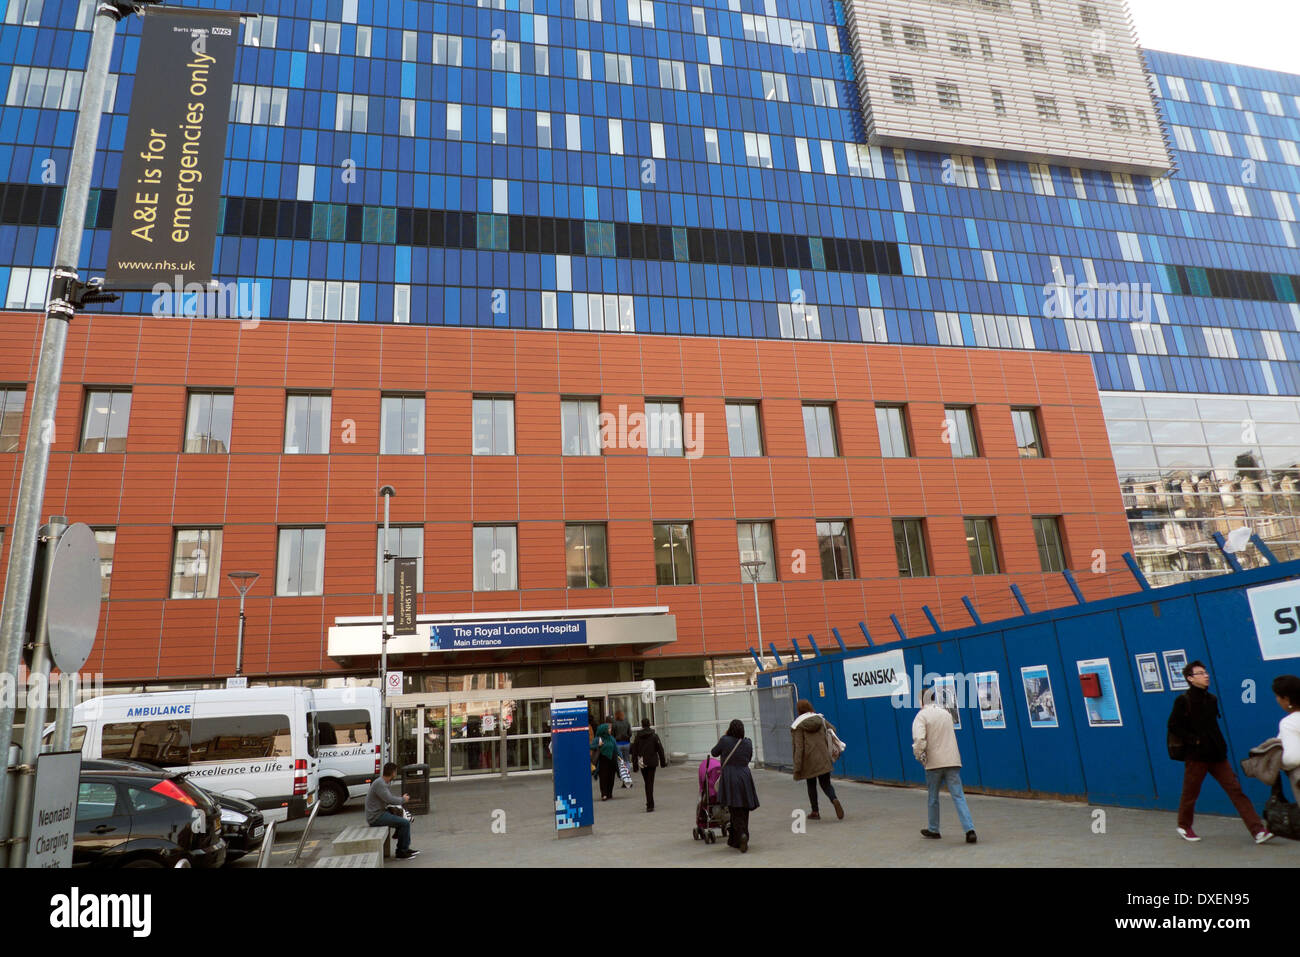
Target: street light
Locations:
point(755, 567)
point(243, 582)
point(387, 492)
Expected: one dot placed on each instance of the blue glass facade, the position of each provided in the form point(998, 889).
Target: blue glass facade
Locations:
point(345, 173)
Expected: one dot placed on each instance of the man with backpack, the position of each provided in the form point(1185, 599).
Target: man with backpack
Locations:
point(1195, 739)
point(648, 752)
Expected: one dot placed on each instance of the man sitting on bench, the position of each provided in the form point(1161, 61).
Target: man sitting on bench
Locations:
point(379, 799)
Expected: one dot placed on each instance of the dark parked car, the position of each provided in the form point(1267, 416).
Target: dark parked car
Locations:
point(242, 824)
point(132, 818)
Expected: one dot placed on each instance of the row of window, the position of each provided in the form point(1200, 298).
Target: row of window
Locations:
point(662, 431)
point(300, 560)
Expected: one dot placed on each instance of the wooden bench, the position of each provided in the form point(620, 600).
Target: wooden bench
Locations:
point(371, 858)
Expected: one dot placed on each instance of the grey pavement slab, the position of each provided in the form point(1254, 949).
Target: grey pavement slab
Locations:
point(508, 823)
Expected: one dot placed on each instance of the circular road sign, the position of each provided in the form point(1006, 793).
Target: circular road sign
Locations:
point(72, 611)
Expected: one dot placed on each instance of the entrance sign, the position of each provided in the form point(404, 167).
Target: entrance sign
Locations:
point(571, 768)
point(1276, 610)
point(876, 676)
point(169, 190)
point(404, 574)
point(506, 634)
point(54, 810)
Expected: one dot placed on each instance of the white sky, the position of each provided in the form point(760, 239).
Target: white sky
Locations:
point(1261, 33)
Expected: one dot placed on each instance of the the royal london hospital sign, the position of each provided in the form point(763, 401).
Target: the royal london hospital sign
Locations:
point(169, 190)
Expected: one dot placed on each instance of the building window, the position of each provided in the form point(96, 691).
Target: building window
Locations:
point(106, 540)
point(909, 546)
point(711, 151)
point(410, 45)
point(1084, 118)
point(352, 114)
point(913, 34)
point(196, 563)
point(1033, 54)
point(618, 68)
point(1046, 106)
point(774, 87)
point(300, 564)
point(207, 426)
point(755, 542)
point(641, 12)
point(446, 49)
point(999, 101)
point(1025, 423)
point(494, 425)
point(958, 43)
point(744, 433)
point(674, 554)
point(406, 118)
point(404, 541)
point(258, 31)
point(960, 426)
point(1089, 15)
point(758, 150)
point(1074, 62)
point(362, 46)
point(1047, 536)
point(892, 427)
point(11, 417)
point(836, 551)
point(982, 546)
point(25, 12)
point(663, 428)
point(307, 425)
point(258, 105)
point(819, 430)
point(495, 558)
point(401, 425)
point(323, 37)
point(986, 47)
point(107, 413)
point(1103, 64)
point(949, 97)
point(585, 556)
point(901, 87)
point(672, 75)
point(580, 425)
point(1118, 116)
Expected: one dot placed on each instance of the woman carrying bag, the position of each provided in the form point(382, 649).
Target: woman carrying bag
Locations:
point(814, 756)
point(736, 786)
point(606, 749)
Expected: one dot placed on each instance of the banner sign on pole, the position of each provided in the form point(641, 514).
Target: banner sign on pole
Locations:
point(468, 636)
point(406, 586)
point(54, 809)
point(169, 190)
point(571, 768)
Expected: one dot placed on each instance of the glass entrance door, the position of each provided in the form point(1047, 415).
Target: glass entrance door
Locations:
point(435, 741)
point(528, 734)
point(476, 737)
point(404, 743)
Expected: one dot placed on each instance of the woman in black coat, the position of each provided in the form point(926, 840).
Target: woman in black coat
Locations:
point(736, 787)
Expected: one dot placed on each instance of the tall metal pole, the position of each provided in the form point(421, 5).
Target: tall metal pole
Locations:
point(387, 494)
point(239, 645)
point(45, 390)
point(34, 723)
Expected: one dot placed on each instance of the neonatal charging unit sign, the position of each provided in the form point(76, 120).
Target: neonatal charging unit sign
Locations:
point(876, 676)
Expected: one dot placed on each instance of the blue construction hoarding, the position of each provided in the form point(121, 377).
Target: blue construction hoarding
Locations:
point(1043, 726)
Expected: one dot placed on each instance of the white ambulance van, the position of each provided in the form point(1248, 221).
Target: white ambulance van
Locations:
point(347, 742)
point(258, 744)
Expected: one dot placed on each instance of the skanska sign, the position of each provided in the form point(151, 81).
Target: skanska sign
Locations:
point(876, 676)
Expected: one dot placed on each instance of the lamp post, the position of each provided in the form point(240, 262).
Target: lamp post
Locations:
point(243, 582)
point(754, 567)
point(387, 493)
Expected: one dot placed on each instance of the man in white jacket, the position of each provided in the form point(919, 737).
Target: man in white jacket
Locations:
point(934, 743)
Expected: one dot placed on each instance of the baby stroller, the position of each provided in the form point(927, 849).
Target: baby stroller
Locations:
point(710, 813)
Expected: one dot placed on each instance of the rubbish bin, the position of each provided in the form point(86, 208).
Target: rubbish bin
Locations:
point(415, 782)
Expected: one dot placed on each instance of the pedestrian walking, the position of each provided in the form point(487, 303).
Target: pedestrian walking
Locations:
point(379, 799)
point(812, 757)
point(622, 732)
point(934, 743)
point(736, 786)
point(648, 751)
point(1195, 739)
point(1286, 689)
point(606, 749)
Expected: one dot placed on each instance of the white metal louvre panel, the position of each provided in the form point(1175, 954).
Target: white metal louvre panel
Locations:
point(970, 123)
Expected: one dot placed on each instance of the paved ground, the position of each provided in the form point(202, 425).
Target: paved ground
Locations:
point(880, 829)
